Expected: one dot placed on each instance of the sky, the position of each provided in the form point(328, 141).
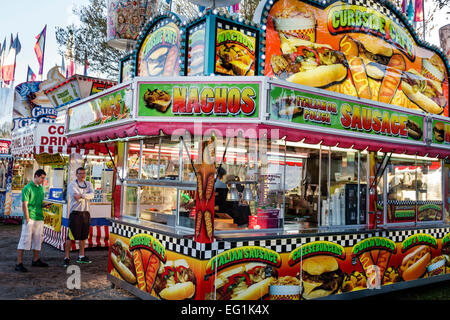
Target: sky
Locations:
point(28, 18)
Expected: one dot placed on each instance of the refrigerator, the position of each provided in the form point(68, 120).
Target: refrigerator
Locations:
point(351, 204)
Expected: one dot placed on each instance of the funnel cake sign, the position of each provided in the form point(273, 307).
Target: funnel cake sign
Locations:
point(364, 51)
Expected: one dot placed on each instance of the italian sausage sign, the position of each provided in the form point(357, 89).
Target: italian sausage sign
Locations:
point(289, 104)
point(362, 51)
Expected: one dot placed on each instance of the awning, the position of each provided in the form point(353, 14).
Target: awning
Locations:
point(129, 130)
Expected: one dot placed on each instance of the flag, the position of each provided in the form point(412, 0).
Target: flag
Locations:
point(39, 48)
point(86, 64)
point(404, 6)
point(2, 57)
point(63, 66)
point(17, 44)
point(71, 68)
point(410, 11)
point(30, 75)
point(9, 64)
point(418, 15)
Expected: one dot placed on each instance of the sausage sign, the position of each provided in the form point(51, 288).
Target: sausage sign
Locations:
point(293, 105)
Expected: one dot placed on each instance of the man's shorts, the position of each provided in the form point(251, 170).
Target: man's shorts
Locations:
point(79, 225)
point(32, 235)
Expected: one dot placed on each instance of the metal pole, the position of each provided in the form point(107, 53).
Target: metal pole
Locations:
point(424, 27)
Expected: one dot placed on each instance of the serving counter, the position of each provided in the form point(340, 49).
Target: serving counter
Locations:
point(284, 252)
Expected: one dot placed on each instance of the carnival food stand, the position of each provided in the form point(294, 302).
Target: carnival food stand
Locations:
point(343, 181)
point(44, 145)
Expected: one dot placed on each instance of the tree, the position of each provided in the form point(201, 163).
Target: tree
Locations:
point(89, 40)
point(430, 15)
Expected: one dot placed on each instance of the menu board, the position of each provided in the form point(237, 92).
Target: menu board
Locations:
point(235, 50)
point(356, 50)
point(159, 54)
point(196, 50)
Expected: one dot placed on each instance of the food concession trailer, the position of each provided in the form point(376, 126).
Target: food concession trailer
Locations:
point(336, 184)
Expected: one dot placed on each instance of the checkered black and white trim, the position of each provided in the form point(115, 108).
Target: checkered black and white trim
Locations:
point(375, 5)
point(226, 26)
point(204, 251)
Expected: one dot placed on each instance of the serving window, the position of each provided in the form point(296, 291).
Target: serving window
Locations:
point(414, 190)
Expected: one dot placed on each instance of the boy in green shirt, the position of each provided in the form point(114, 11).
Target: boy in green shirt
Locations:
point(33, 221)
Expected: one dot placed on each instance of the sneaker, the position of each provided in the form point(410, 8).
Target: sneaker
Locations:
point(84, 260)
point(66, 262)
point(21, 268)
point(39, 263)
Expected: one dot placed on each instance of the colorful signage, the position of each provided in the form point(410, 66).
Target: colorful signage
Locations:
point(440, 132)
point(321, 268)
point(159, 54)
point(235, 50)
point(357, 50)
point(29, 140)
point(242, 255)
point(325, 111)
point(65, 94)
point(196, 50)
point(199, 99)
point(145, 241)
point(315, 249)
point(109, 108)
point(53, 217)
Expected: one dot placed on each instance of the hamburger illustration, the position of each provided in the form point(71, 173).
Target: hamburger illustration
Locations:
point(321, 277)
point(439, 131)
point(376, 55)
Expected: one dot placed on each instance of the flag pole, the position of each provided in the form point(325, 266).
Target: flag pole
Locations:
point(424, 17)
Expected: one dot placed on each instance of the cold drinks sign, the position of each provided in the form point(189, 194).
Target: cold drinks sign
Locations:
point(38, 138)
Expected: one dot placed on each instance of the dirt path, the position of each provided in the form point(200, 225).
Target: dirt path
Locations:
point(51, 283)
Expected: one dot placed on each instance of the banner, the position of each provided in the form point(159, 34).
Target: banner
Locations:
point(200, 99)
point(106, 109)
point(53, 216)
point(355, 50)
point(317, 268)
point(6, 112)
point(325, 111)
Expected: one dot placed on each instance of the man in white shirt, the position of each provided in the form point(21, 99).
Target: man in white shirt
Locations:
point(80, 192)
